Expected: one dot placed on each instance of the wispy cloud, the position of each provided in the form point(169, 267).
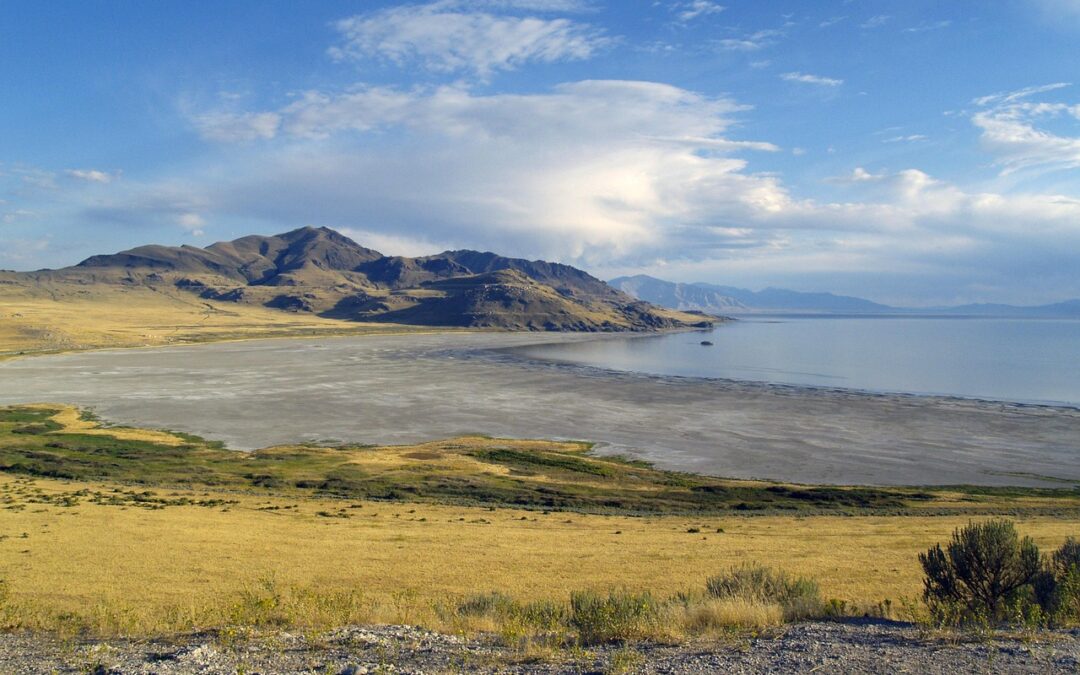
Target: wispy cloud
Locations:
point(928, 26)
point(1011, 128)
point(805, 78)
point(1011, 96)
point(752, 41)
point(450, 37)
point(910, 138)
point(688, 11)
point(831, 21)
point(876, 21)
point(92, 175)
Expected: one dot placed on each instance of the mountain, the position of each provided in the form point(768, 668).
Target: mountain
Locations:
point(692, 297)
point(714, 299)
point(1069, 309)
point(323, 272)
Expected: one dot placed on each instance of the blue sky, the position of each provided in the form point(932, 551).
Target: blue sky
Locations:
point(912, 152)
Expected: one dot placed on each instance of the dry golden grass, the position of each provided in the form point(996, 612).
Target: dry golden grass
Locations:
point(133, 569)
point(44, 319)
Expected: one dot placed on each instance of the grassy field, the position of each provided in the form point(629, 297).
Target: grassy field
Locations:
point(108, 559)
point(46, 319)
point(58, 441)
point(136, 544)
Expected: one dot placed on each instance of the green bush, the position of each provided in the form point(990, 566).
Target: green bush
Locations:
point(799, 596)
point(618, 616)
point(983, 569)
point(487, 604)
point(1057, 586)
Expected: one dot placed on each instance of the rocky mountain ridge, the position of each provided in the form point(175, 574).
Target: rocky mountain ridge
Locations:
point(321, 271)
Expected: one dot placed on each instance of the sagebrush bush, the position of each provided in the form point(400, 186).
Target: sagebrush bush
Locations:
point(981, 570)
point(799, 597)
point(617, 616)
point(1057, 586)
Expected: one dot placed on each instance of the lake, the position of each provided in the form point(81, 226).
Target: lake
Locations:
point(410, 388)
point(1018, 360)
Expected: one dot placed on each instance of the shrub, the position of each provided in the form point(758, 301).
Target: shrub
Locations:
point(981, 569)
point(799, 597)
point(1057, 586)
point(616, 617)
point(487, 604)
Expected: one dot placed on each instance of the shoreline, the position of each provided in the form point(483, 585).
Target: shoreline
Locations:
point(390, 389)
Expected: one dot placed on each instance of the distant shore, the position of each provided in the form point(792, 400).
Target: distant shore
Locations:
point(410, 388)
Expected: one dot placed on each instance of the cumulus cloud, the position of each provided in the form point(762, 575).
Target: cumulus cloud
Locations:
point(582, 170)
point(805, 78)
point(450, 37)
point(1014, 129)
point(607, 174)
point(192, 223)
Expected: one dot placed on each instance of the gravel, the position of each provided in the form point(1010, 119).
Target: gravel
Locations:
point(833, 647)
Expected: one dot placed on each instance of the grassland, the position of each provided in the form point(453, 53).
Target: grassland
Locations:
point(56, 441)
point(44, 318)
point(113, 530)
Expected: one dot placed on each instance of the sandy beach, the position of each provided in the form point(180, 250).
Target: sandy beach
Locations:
point(404, 389)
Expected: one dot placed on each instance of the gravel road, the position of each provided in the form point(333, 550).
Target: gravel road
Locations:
point(856, 647)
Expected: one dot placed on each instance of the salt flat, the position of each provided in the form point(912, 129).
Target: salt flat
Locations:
point(410, 388)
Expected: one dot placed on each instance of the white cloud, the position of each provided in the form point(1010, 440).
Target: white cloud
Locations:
point(607, 173)
point(582, 170)
point(831, 21)
point(876, 21)
point(910, 138)
point(751, 42)
point(688, 11)
point(15, 215)
point(811, 79)
point(452, 37)
point(92, 175)
point(1013, 129)
point(928, 26)
point(192, 223)
point(234, 127)
point(20, 250)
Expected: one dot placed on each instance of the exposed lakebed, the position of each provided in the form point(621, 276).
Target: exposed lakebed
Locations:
point(409, 388)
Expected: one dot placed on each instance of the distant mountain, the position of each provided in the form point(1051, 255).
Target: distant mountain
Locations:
point(713, 299)
point(324, 272)
point(687, 297)
point(1069, 309)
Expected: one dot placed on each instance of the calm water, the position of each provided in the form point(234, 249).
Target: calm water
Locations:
point(998, 359)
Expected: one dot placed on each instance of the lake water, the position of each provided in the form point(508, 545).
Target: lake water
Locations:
point(1019, 360)
point(411, 388)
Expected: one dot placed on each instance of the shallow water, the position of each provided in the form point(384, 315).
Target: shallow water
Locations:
point(1021, 360)
point(409, 388)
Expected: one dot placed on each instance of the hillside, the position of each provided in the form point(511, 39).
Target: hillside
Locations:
point(323, 274)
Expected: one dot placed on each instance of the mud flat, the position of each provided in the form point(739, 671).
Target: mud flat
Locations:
point(412, 388)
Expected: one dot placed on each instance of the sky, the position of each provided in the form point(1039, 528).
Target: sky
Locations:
point(913, 152)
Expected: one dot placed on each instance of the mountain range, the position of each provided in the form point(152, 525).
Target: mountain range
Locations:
point(321, 271)
point(720, 300)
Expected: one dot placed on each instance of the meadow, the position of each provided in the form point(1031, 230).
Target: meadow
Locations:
point(122, 552)
point(50, 318)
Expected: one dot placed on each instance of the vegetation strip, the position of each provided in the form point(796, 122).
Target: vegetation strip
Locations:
point(53, 441)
